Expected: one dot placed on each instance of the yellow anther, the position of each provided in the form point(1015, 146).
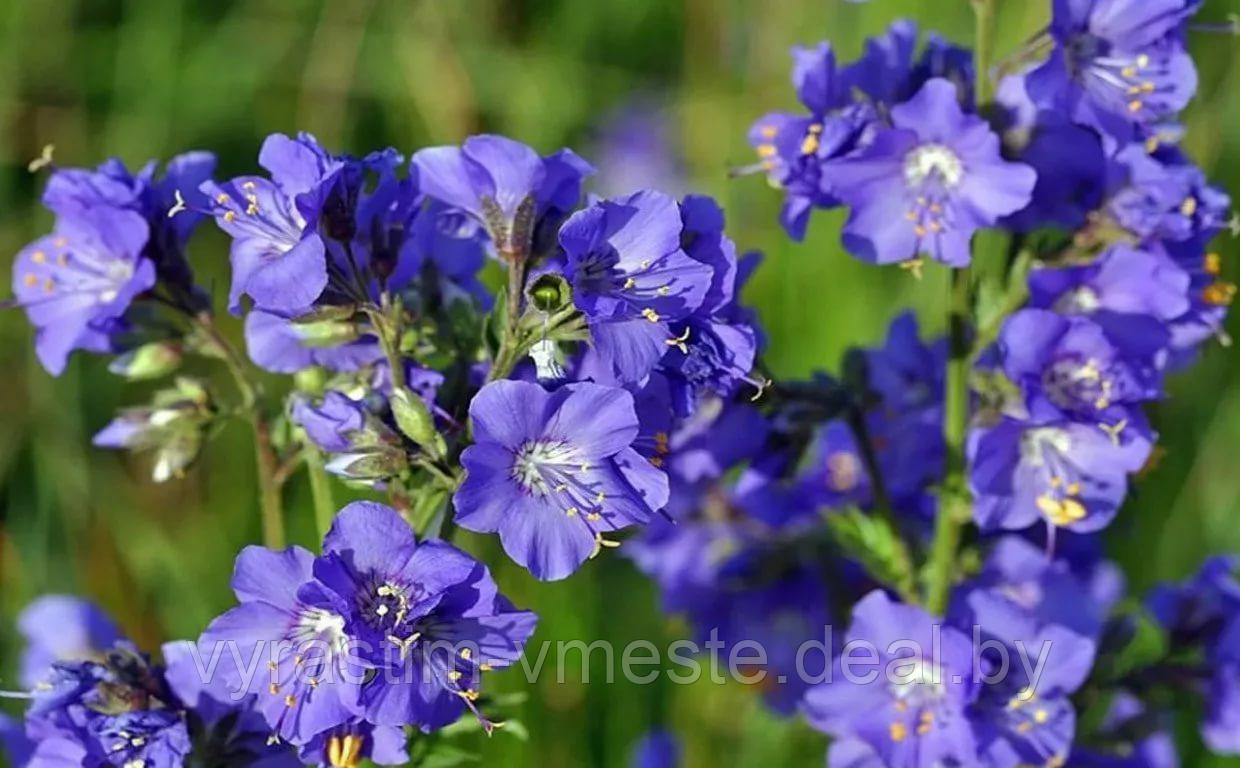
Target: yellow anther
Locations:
point(38, 257)
point(1189, 206)
point(924, 728)
point(1212, 264)
point(1219, 294)
point(1135, 105)
point(1143, 61)
point(290, 700)
point(1041, 716)
point(1074, 489)
point(30, 280)
point(1114, 430)
point(313, 682)
point(898, 732)
point(467, 653)
point(679, 342)
point(248, 186)
point(484, 667)
point(571, 511)
point(251, 209)
point(650, 315)
point(600, 497)
point(594, 517)
point(919, 230)
point(271, 665)
point(230, 216)
point(273, 689)
point(911, 215)
point(561, 488)
point(49, 285)
point(664, 290)
point(766, 150)
point(810, 144)
point(222, 198)
point(454, 675)
point(913, 267)
point(1129, 73)
point(769, 131)
point(629, 283)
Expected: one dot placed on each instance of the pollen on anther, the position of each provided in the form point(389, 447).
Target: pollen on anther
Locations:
point(222, 198)
point(38, 257)
point(650, 315)
point(290, 700)
point(229, 216)
point(31, 280)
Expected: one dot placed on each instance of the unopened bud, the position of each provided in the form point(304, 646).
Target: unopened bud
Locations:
point(149, 361)
point(550, 293)
point(416, 422)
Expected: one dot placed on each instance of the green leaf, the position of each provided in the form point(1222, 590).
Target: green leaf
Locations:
point(872, 542)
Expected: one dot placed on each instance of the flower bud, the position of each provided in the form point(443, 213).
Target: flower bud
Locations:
point(416, 422)
point(149, 361)
point(550, 293)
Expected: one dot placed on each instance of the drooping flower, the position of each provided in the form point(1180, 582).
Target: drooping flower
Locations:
point(77, 283)
point(61, 628)
point(631, 278)
point(504, 184)
point(1069, 367)
point(552, 472)
point(1068, 474)
point(429, 617)
point(906, 702)
point(1117, 63)
point(927, 184)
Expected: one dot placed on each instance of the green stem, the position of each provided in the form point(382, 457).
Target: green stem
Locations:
point(507, 355)
point(388, 332)
point(984, 49)
point(320, 490)
point(954, 501)
point(271, 506)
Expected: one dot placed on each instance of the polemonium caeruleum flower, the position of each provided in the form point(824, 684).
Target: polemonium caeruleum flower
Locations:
point(61, 628)
point(1117, 62)
point(889, 71)
point(279, 253)
point(1069, 367)
point(171, 204)
point(631, 278)
point(796, 150)
point(552, 472)
point(287, 645)
point(1131, 294)
point(348, 745)
point(1068, 474)
point(714, 349)
point(76, 283)
point(504, 184)
point(429, 617)
point(928, 183)
point(906, 702)
point(280, 345)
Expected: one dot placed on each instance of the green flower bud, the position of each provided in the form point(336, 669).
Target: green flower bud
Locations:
point(149, 361)
point(550, 293)
point(416, 422)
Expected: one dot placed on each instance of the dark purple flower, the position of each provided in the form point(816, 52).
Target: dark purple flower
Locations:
point(77, 283)
point(1117, 63)
point(61, 628)
point(1069, 367)
point(1068, 474)
point(429, 617)
point(714, 349)
point(907, 696)
point(552, 472)
point(888, 73)
point(631, 279)
point(504, 184)
point(1132, 736)
point(332, 423)
point(927, 184)
point(152, 738)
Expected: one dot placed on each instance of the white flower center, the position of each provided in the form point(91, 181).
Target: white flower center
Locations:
point(533, 457)
point(917, 681)
point(1079, 301)
point(1036, 442)
point(318, 624)
point(927, 160)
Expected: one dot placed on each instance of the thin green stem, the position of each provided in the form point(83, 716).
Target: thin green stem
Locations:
point(320, 490)
point(984, 49)
point(954, 501)
point(271, 505)
point(507, 355)
point(388, 332)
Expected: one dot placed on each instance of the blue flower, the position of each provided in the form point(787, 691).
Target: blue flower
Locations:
point(503, 184)
point(928, 183)
point(61, 628)
point(429, 617)
point(631, 278)
point(552, 472)
point(77, 283)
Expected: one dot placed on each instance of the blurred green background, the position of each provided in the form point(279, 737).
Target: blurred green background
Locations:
point(149, 78)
